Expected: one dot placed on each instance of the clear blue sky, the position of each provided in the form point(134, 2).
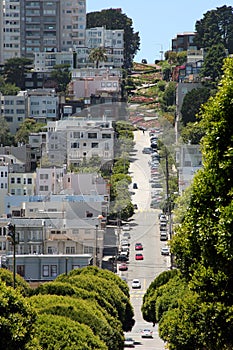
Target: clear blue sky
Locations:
point(158, 21)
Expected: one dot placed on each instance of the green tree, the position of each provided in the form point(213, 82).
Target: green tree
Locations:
point(192, 133)
point(203, 243)
point(59, 332)
point(62, 76)
point(213, 63)
point(192, 103)
point(6, 138)
point(14, 71)
point(27, 127)
point(169, 94)
point(115, 19)
point(8, 89)
point(17, 319)
point(98, 55)
point(216, 27)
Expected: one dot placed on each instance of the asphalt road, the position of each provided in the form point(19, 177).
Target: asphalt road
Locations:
point(145, 229)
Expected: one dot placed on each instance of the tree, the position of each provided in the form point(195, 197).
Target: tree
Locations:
point(192, 133)
point(62, 76)
point(115, 19)
point(213, 63)
point(203, 243)
point(169, 94)
point(17, 319)
point(26, 128)
point(215, 28)
point(14, 71)
point(98, 55)
point(192, 103)
point(6, 138)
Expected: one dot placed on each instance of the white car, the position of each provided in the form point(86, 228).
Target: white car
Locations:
point(126, 227)
point(136, 284)
point(147, 333)
point(165, 251)
point(129, 343)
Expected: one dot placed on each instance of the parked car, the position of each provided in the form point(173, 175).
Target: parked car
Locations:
point(128, 343)
point(147, 333)
point(123, 267)
point(147, 150)
point(122, 257)
point(136, 284)
point(156, 185)
point(125, 235)
point(165, 251)
point(126, 227)
point(163, 236)
point(139, 256)
point(138, 246)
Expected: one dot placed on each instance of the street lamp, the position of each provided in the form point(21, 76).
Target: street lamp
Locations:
point(11, 236)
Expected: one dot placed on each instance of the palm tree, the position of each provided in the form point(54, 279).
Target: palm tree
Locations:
point(97, 55)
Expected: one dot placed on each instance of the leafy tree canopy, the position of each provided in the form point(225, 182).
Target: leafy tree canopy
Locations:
point(62, 76)
point(192, 103)
point(27, 127)
point(98, 55)
point(216, 27)
point(213, 63)
point(6, 139)
point(14, 71)
point(115, 19)
point(17, 319)
point(192, 133)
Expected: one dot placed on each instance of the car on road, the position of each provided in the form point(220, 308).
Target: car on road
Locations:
point(135, 186)
point(165, 251)
point(147, 333)
point(136, 284)
point(122, 258)
point(138, 246)
point(126, 227)
point(125, 235)
point(139, 256)
point(156, 185)
point(128, 343)
point(123, 267)
point(147, 150)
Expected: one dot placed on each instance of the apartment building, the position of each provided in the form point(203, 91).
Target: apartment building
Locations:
point(22, 184)
point(43, 105)
point(72, 140)
point(184, 41)
point(39, 26)
point(4, 170)
point(189, 160)
point(14, 108)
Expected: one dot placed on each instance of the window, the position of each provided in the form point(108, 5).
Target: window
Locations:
point(94, 145)
point(106, 136)
point(18, 180)
point(92, 135)
point(88, 250)
point(74, 145)
point(53, 270)
point(70, 250)
point(45, 270)
point(21, 270)
point(29, 181)
point(12, 180)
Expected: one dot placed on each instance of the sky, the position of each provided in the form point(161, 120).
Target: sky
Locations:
point(159, 21)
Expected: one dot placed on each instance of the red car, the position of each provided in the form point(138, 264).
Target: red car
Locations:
point(123, 267)
point(138, 246)
point(139, 256)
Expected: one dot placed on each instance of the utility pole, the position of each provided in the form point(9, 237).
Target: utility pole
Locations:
point(95, 257)
point(11, 236)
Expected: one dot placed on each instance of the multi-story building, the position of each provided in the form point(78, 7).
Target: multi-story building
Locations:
point(45, 61)
point(43, 105)
point(72, 140)
point(183, 42)
point(39, 26)
point(4, 170)
point(189, 160)
point(22, 184)
point(14, 109)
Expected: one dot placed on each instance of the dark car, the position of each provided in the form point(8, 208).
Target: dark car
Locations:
point(135, 186)
point(122, 258)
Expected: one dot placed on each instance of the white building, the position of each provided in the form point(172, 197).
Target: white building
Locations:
point(4, 171)
point(189, 160)
point(43, 104)
point(14, 108)
point(22, 184)
point(71, 140)
point(45, 61)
